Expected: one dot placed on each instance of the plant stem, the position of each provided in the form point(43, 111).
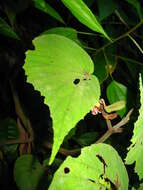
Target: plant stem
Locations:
point(75, 152)
point(19, 111)
point(115, 129)
point(131, 38)
point(120, 37)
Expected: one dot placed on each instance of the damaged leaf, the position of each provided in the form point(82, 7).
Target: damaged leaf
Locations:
point(136, 148)
point(98, 167)
point(66, 79)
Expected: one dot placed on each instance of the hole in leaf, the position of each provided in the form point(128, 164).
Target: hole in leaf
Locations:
point(76, 81)
point(66, 170)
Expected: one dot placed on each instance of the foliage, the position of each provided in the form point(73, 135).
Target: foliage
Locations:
point(67, 69)
point(27, 172)
point(67, 80)
point(93, 169)
point(135, 150)
point(116, 92)
point(5, 29)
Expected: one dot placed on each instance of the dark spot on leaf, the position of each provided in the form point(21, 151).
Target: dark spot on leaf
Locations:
point(76, 81)
point(102, 160)
point(91, 180)
point(66, 170)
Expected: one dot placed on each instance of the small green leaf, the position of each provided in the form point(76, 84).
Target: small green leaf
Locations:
point(27, 172)
point(86, 138)
point(95, 169)
point(80, 10)
point(45, 7)
point(62, 71)
point(136, 148)
point(104, 65)
point(64, 31)
point(116, 92)
point(115, 106)
point(9, 131)
point(106, 9)
point(6, 30)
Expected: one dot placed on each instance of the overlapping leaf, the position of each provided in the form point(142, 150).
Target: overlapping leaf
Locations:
point(6, 30)
point(45, 7)
point(27, 172)
point(106, 9)
point(99, 167)
point(136, 148)
point(8, 131)
point(62, 71)
point(80, 10)
point(137, 6)
point(104, 65)
point(116, 92)
point(68, 32)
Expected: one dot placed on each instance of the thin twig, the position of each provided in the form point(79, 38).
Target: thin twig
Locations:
point(16, 141)
point(116, 128)
point(120, 37)
point(63, 151)
point(131, 38)
point(19, 111)
point(74, 152)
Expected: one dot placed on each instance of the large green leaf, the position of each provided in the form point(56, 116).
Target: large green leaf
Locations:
point(45, 7)
point(99, 167)
point(6, 30)
point(80, 10)
point(62, 71)
point(116, 92)
point(136, 148)
point(27, 172)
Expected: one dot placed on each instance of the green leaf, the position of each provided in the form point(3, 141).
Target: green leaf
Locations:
point(106, 9)
point(116, 92)
point(27, 172)
point(64, 31)
point(6, 30)
point(140, 187)
point(136, 148)
point(45, 7)
point(104, 65)
point(115, 106)
point(80, 10)
point(136, 4)
point(86, 138)
point(89, 2)
point(95, 168)
point(62, 71)
point(9, 131)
